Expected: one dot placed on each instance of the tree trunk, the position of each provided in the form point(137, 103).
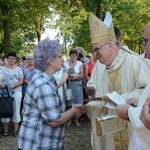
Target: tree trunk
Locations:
point(39, 35)
point(99, 13)
point(6, 27)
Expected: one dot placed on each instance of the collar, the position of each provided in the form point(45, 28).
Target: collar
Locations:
point(113, 63)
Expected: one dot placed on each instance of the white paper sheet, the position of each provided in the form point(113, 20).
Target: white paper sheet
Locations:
point(116, 98)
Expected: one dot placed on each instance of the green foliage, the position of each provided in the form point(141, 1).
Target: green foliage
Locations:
point(30, 18)
point(16, 44)
point(26, 18)
point(129, 15)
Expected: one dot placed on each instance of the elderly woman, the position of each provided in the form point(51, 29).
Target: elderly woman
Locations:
point(44, 114)
point(28, 72)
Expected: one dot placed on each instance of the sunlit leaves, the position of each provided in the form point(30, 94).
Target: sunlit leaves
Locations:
point(30, 18)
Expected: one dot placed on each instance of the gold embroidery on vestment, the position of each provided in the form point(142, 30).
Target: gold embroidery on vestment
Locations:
point(114, 83)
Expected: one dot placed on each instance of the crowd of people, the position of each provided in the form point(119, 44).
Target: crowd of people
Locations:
point(38, 85)
point(18, 73)
point(17, 76)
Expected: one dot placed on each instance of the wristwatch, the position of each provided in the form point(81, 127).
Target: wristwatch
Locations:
point(12, 87)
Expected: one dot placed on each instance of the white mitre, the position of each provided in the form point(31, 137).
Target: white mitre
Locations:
point(101, 31)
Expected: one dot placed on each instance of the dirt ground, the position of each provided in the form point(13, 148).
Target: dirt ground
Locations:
point(76, 138)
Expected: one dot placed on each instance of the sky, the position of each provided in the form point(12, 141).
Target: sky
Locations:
point(50, 33)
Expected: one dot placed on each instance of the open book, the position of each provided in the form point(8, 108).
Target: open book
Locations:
point(110, 109)
point(111, 123)
point(116, 98)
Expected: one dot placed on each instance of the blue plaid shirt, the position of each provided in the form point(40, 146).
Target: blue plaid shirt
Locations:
point(42, 104)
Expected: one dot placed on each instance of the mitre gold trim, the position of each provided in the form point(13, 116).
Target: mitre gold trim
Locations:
point(101, 31)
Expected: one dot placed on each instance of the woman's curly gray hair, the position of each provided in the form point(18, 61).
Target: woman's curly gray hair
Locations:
point(44, 51)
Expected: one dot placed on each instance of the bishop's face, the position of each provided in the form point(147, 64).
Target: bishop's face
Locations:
point(103, 52)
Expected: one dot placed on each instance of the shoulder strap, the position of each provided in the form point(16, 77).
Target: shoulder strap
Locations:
point(6, 91)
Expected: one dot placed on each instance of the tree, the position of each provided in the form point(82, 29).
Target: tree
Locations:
point(27, 18)
point(5, 8)
point(130, 16)
point(35, 13)
point(69, 17)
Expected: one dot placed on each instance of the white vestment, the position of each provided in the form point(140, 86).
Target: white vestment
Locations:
point(142, 133)
point(128, 76)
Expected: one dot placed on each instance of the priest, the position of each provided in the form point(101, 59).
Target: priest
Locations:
point(138, 115)
point(119, 69)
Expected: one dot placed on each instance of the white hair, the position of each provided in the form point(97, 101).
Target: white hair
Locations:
point(80, 50)
point(29, 55)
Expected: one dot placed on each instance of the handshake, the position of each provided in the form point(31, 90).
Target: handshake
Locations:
point(78, 110)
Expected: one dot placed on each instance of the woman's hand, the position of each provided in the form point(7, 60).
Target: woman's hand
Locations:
point(74, 77)
point(90, 91)
point(2, 86)
point(77, 111)
point(70, 75)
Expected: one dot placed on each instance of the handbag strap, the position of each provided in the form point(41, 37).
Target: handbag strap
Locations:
point(69, 83)
point(6, 88)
